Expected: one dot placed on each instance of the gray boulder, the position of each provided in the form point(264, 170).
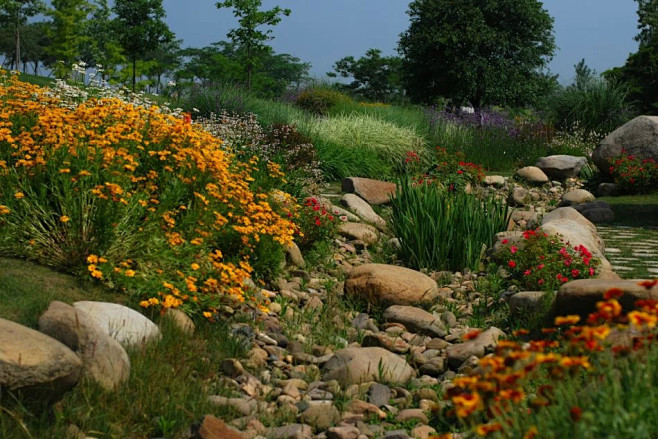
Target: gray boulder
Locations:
point(104, 359)
point(124, 324)
point(638, 137)
point(359, 365)
point(561, 167)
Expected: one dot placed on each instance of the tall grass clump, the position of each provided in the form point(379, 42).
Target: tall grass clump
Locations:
point(444, 230)
point(132, 197)
point(596, 106)
point(385, 140)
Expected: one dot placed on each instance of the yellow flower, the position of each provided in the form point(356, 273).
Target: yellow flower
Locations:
point(65, 219)
point(92, 259)
point(19, 195)
point(4, 210)
point(97, 274)
point(195, 266)
point(65, 171)
point(567, 320)
point(129, 273)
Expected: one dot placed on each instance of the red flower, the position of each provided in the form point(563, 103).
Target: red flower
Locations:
point(513, 249)
point(613, 293)
point(576, 413)
point(511, 264)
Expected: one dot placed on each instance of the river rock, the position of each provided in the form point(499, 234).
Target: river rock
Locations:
point(484, 343)
point(532, 174)
point(382, 284)
point(577, 196)
point(364, 232)
point(358, 365)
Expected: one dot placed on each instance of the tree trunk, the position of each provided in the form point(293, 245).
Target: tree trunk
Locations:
point(134, 70)
point(17, 40)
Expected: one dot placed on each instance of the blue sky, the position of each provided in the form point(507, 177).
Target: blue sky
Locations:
point(323, 31)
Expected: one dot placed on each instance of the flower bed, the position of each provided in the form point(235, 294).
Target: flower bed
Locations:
point(143, 201)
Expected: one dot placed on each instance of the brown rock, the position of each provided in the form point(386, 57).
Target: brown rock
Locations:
point(580, 296)
point(639, 137)
point(39, 367)
point(364, 232)
point(485, 342)
point(214, 428)
point(359, 365)
point(373, 191)
point(391, 285)
point(532, 174)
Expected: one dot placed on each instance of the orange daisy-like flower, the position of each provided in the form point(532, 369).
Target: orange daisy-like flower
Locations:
point(487, 429)
point(567, 320)
point(471, 335)
point(65, 219)
point(531, 433)
point(640, 318)
point(466, 404)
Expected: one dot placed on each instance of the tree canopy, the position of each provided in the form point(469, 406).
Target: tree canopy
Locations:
point(482, 51)
point(640, 72)
point(374, 76)
point(248, 37)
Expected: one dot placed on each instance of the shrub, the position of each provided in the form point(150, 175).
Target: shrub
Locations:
point(444, 230)
point(451, 170)
point(544, 263)
point(315, 223)
point(596, 105)
point(632, 174)
point(320, 100)
point(140, 200)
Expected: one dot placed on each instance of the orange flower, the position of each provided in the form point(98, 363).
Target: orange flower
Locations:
point(65, 219)
point(640, 318)
point(648, 284)
point(466, 404)
point(609, 309)
point(487, 429)
point(471, 335)
point(531, 433)
point(567, 320)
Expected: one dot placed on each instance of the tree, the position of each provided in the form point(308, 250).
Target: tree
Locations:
point(140, 29)
point(482, 51)
point(374, 76)
point(14, 14)
point(67, 33)
point(248, 38)
point(640, 72)
point(103, 49)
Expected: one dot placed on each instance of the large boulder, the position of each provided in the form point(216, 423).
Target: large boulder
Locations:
point(596, 211)
point(104, 359)
point(561, 167)
point(359, 365)
point(373, 191)
point(574, 228)
point(414, 319)
point(580, 296)
point(577, 196)
point(383, 284)
point(35, 365)
point(639, 137)
point(124, 324)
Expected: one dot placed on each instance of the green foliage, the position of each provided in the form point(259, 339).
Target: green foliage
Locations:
point(248, 37)
point(638, 73)
point(544, 263)
point(443, 230)
point(14, 15)
point(320, 100)
point(140, 28)
point(485, 52)
point(102, 48)
point(450, 170)
point(375, 77)
point(592, 105)
point(67, 33)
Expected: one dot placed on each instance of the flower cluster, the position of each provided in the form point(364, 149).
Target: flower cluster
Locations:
point(520, 377)
point(633, 174)
point(542, 262)
point(315, 222)
point(160, 204)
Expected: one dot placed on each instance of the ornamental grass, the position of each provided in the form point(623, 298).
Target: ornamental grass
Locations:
point(140, 200)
